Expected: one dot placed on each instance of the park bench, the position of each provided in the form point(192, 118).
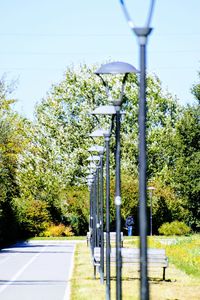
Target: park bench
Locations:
point(112, 237)
point(156, 258)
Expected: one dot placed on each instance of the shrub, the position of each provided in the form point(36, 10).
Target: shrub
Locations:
point(174, 228)
point(68, 231)
point(57, 231)
point(54, 230)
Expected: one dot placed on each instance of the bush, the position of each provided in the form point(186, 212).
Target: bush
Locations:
point(57, 231)
point(174, 228)
point(32, 215)
point(68, 231)
point(77, 209)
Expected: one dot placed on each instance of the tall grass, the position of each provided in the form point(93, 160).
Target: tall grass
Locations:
point(184, 253)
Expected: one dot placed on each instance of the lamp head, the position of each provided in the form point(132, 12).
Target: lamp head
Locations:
point(104, 110)
point(99, 132)
point(96, 148)
point(116, 68)
point(93, 158)
point(151, 188)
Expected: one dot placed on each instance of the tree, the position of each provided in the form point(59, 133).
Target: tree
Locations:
point(196, 90)
point(11, 144)
point(55, 158)
point(185, 175)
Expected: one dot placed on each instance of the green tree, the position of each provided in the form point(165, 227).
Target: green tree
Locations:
point(11, 144)
point(196, 90)
point(185, 175)
point(57, 151)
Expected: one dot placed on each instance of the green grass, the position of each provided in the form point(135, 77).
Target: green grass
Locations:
point(178, 284)
point(183, 252)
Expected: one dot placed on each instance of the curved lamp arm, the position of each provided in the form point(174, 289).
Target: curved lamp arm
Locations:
point(128, 18)
point(108, 93)
point(107, 89)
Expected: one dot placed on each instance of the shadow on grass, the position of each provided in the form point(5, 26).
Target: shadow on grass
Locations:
point(151, 279)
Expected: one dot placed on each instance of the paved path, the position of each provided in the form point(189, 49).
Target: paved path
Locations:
point(36, 270)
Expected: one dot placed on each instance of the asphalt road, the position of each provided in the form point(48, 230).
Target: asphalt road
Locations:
point(36, 270)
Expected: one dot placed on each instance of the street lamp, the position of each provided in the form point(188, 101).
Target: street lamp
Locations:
point(106, 134)
point(89, 182)
point(151, 189)
point(142, 34)
point(94, 170)
point(98, 133)
point(91, 179)
point(116, 68)
point(99, 158)
point(106, 110)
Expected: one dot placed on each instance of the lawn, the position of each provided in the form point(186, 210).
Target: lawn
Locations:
point(182, 276)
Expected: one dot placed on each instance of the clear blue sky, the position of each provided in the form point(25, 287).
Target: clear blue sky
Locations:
point(40, 38)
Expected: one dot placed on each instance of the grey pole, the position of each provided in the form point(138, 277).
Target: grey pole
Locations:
point(142, 34)
point(107, 141)
point(97, 203)
point(118, 209)
point(91, 209)
point(151, 213)
point(101, 218)
point(92, 216)
point(94, 237)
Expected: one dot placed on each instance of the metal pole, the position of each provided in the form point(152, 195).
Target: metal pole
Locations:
point(118, 209)
point(142, 34)
point(101, 218)
point(107, 141)
point(94, 238)
point(97, 203)
point(151, 213)
point(90, 221)
point(91, 216)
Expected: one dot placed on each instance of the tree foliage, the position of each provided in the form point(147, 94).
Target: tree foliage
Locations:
point(43, 163)
point(11, 144)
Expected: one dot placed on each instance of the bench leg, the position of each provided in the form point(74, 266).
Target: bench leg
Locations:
point(95, 272)
point(164, 273)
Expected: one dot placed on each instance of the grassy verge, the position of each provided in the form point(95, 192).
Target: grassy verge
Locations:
point(178, 285)
point(183, 252)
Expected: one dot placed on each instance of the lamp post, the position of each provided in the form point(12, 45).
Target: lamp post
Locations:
point(93, 205)
point(151, 189)
point(89, 182)
point(94, 173)
point(142, 34)
point(100, 234)
point(90, 178)
point(100, 133)
point(116, 68)
point(106, 134)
